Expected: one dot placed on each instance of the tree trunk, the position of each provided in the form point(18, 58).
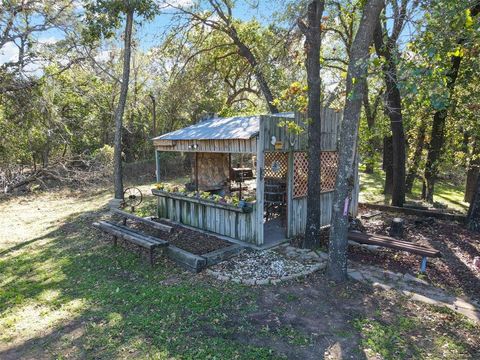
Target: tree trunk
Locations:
point(473, 219)
point(117, 154)
point(472, 177)
point(472, 172)
point(370, 115)
point(388, 164)
point(154, 115)
point(434, 151)
point(393, 109)
point(312, 46)
point(417, 156)
point(438, 126)
point(247, 54)
point(357, 71)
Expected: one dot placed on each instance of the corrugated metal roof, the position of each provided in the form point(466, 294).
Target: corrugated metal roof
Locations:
point(238, 127)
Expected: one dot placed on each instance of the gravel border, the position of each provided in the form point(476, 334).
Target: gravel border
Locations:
point(311, 261)
point(268, 281)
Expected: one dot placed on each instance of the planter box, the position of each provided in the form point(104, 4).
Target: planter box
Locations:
point(222, 219)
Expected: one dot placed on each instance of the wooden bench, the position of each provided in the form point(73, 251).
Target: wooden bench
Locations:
point(389, 242)
point(123, 232)
point(156, 225)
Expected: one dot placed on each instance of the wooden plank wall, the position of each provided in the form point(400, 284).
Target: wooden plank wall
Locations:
point(299, 215)
point(248, 146)
point(235, 224)
point(269, 125)
point(298, 218)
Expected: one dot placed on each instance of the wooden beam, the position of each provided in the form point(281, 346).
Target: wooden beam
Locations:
point(157, 165)
point(417, 212)
point(260, 182)
point(385, 241)
point(196, 172)
point(290, 174)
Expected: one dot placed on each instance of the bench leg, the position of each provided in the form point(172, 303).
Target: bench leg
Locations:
point(115, 240)
point(151, 257)
point(423, 266)
point(124, 221)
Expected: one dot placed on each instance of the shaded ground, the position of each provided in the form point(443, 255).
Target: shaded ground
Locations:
point(67, 293)
point(454, 271)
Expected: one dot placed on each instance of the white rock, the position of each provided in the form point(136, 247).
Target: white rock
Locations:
point(249, 281)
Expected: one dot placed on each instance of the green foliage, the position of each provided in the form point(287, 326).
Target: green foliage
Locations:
point(104, 155)
point(103, 17)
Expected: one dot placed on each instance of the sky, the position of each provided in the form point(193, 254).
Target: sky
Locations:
point(260, 10)
point(149, 33)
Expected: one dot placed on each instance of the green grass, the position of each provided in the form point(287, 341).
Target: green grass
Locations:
point(67, 280)
point(390, 340)
point(446, 194)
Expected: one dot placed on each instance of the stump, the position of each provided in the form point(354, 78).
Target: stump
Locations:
point(396, 229)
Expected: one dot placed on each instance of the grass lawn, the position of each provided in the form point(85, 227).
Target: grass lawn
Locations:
point(65, 292)
point(446, 194)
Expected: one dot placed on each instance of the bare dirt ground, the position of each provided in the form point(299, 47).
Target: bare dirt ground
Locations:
point(67, 293)
point(454, 271)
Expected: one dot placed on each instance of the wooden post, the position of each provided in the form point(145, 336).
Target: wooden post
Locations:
point(290, 174)
point(423, 265)
point(260, 182)
point(157, 165)
point(152, 259)
point(196, 172)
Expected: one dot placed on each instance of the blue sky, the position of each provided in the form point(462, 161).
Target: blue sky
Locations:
point(261, 10)
point(149, 33)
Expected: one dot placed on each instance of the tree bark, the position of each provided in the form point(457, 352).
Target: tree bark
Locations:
point(313, 42)
point(370, 115)
point(472, 172)
point(473, 219)
point(393, 109)
point(357, 71)
point(247, 54)
point(388, 165)
point(117, 154)
point(417, 156)
point(154, 114)
point(438, 126)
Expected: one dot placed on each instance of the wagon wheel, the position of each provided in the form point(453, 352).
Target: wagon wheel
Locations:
point(132, 197)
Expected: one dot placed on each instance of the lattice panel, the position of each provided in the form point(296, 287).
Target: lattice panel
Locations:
point(300, 175)
point(276, 164)
point(328, 172)
point(329, 162)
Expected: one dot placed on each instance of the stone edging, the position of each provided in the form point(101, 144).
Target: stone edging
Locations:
point(252, 281)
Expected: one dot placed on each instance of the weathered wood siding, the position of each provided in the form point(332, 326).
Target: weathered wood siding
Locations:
point(232, 222)
point(299, 213)
point(298, 218)
point(269, 125)
point(248, 146)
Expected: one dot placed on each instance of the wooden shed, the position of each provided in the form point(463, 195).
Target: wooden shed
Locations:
point(279, 170)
